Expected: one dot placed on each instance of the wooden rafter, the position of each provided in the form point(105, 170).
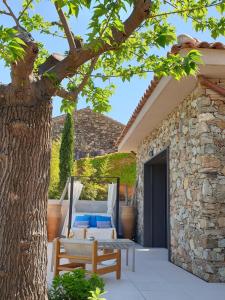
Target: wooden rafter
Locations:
point(211, 85)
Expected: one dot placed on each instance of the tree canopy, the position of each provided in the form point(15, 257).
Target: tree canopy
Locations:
point(117, 43)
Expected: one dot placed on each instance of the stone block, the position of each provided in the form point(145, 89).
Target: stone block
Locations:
point(203, 223)
point(221, 271)
point(206, 139)
point(221, 109)
point(206, 188)
point(209, 149)
point(221, 243)
point(212, 255)
point(217, 122)
point(205, 117)
point(203, 101)
point(192, 245)
point(209, 269)
point(188, 194)
point(210, 161)
point(186, 182)
point(209, 243)
point(220, 192)
point(223, 170)
point(221, 221)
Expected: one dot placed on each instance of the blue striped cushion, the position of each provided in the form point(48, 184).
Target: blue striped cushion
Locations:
point(92, 220)
point(81, 222)
point(103, 222)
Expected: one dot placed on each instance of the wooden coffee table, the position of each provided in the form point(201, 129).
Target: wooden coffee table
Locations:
point(122, 244)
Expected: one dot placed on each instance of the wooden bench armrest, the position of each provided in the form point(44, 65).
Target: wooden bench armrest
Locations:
point(107, 257)
point(85, 258)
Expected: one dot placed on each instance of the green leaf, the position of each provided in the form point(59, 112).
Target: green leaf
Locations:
point(14, 45)
point(67, 106)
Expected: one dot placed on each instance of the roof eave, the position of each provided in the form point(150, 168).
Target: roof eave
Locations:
point(155, 108)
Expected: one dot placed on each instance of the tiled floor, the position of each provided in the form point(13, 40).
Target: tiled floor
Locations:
point(157, 279)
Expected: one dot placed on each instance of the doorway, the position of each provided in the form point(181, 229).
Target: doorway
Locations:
point(156, 201)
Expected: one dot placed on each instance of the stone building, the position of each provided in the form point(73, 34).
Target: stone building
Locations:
point(178, 133)
point(95, 133)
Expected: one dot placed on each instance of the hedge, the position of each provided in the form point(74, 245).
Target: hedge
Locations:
point(122, 165)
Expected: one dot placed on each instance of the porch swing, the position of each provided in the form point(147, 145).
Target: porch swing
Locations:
point(71, 214)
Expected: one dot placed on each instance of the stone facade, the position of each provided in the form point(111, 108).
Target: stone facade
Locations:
point(95, 134)
point(195, 135)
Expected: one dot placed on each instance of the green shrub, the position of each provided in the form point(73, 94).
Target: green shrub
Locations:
point(96, 295)
point(76, 285)
point(90, 189)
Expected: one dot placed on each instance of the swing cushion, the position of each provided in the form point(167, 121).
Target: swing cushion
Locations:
point(92, 220)
point(103, 222)
point(81, 221)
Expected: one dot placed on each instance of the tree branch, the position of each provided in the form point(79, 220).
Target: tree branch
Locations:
point(87, 75)
point(68, 66)
point(180, 11)
point(65, 25)
point(141, 11)
point(3, 12)
point(104, 76)
point(69, 95)
point(11, 12)
point(23, 68)
point(24, 9)
point(72, 95)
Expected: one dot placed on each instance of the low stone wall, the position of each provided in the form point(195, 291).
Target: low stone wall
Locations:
point(91, 206)
point(195, 134)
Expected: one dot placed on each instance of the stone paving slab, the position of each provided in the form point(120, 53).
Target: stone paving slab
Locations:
point(156, 279)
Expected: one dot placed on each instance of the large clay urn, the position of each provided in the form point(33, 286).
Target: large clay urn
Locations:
point(54, 219)
point(128, 220)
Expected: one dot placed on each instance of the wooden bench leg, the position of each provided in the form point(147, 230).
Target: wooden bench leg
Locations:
point(118, 268)
point(94, 257)
point(57, 259)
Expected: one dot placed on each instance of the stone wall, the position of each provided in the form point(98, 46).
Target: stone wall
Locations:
point(195, 134)
point(95, 133)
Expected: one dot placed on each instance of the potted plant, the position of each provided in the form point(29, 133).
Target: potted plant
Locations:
point(128, 215)
point(54, 216)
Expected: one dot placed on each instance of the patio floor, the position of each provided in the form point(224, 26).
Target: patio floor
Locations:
point(156, 279)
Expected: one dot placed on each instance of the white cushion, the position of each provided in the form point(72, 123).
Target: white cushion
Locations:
point(78, 233)
point(101, 233)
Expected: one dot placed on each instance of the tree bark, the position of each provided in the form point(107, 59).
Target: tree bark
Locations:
point(24, 177)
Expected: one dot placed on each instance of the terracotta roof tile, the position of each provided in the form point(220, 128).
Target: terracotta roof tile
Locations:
point(195, 44)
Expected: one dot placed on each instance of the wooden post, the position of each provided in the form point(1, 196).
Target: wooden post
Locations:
point(56, 258)
point(94, 256)
point(71, 205)
point(117, 204)
point(118, 267)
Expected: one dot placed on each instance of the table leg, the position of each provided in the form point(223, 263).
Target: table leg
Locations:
point(127, 256)
point(133, 260)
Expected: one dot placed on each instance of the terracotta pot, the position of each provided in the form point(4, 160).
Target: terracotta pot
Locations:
point(123, 191)
point(128, 218)
point(54, 219)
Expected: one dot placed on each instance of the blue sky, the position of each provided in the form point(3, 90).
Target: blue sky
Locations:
point(127, 94)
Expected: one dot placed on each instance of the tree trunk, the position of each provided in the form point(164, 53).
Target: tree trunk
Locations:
point(24, 178)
